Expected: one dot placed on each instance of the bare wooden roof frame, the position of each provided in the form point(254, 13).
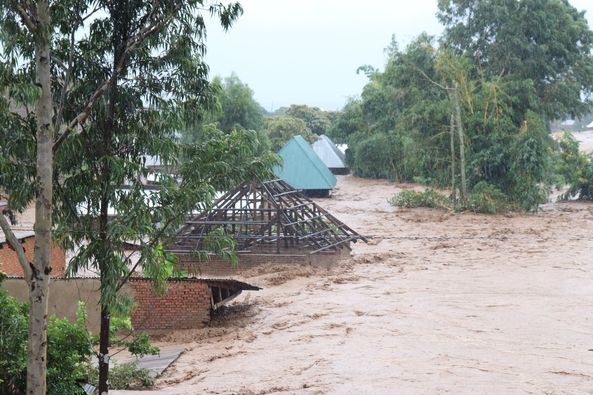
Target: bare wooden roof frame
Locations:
point(270, 213)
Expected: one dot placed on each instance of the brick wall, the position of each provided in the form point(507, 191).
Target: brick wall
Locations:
point(216, 267)
point(10, 265)
point(185, 305)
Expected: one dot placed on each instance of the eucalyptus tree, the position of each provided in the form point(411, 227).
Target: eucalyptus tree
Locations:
point(27, 32)
point(110, 82)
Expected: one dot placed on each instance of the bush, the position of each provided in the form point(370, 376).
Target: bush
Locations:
point(487, 199)
point(383, 156)
point(411, 199)
point(124, 376)
point(69, 347)
point(575, 168)
point(13, 345)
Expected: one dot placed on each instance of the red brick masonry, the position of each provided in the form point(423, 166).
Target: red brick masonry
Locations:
point(185, 305)
point(10, 265)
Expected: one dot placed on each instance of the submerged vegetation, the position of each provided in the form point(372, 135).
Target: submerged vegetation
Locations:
point(412, 199)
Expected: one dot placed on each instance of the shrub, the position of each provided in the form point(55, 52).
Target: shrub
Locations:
point(486, 198)
point(575, 168)
point(69, 347)
point(411, 199)
point(383, 156)
point(13, 345)
point(124, 376)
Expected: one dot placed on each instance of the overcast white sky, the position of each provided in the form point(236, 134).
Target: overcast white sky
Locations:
point(307, 51)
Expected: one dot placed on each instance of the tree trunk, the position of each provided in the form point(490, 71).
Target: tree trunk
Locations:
point(452, 132)
point(461, 145)
point(104, 261)
point(105, 314)
point(41, 267)
point(104, 351)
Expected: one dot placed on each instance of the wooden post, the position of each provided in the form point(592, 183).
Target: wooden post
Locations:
point(278, 231)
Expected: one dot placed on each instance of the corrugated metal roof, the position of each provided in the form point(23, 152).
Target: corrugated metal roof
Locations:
point(303, 169)
point(329, 153)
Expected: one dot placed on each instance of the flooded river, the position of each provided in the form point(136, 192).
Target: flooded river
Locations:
point(436, 303)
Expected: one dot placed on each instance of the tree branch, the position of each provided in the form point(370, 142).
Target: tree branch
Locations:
point(66, 81)
point(418, 69)
point(87, 16)
point(59, 62)
point(18, 248)
point(26, 18)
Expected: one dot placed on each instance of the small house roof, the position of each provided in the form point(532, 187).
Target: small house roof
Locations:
point(302, 168)
point(589, 126)
point(329, 153)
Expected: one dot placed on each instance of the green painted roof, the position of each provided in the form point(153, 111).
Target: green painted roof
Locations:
point(302, 168)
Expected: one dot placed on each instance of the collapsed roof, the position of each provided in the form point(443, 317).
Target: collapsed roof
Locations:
point(270, 213)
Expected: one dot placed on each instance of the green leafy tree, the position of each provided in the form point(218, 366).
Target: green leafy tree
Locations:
point(433, 116)
point(547, 42)
point(231, 107)
point(26, 40)
point(575, 168)
point(281, 128)
point(318, 121)
point(238, 108)
point(348, 122)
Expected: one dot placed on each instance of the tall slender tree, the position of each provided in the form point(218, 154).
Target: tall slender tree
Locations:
point(36, 25)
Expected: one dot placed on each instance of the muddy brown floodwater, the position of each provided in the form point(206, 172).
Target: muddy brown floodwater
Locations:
point(436, 303)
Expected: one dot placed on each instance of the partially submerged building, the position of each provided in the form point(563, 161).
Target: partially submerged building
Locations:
point(303, 169)
point(188, 302)
point(270, 222)
point(330, 154)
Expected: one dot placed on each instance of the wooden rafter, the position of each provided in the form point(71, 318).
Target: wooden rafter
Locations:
point(268, 213)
